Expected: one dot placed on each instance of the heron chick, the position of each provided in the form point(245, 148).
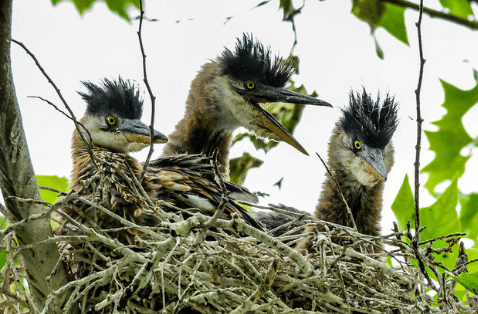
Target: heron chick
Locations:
point(360, 158)
point(228, 93)
point(113, 127)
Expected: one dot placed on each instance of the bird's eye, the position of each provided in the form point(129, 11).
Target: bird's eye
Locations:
point(250, 85)
point(111, 120)
point(357, 145)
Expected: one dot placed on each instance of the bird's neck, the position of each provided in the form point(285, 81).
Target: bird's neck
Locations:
point(204, 127)
point(107, 162)
point(364, 201)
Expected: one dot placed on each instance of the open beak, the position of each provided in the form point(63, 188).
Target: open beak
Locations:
point(375, 164)
point(269, 126)
point(138, 132)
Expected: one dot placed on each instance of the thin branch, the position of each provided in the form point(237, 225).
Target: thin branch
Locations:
point(434, 13)
point(419, 125)
point(150, 91)
point(77, 124)
point(60, 193)
point(349, 211)
point(64, 113)
point(225, 193)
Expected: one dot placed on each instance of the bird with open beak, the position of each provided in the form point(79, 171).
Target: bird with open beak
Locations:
point(229, 92)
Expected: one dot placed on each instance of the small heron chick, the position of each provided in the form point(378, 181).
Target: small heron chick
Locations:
point(112, 124)
point(360, 158)
point(227, 93)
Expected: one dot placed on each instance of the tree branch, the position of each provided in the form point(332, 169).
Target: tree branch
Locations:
point(77, 124)
point(434, 13)
point(150, 91)
point(17, 179)
point(419, 126)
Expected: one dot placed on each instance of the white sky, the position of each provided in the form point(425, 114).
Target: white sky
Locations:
point(336, 53)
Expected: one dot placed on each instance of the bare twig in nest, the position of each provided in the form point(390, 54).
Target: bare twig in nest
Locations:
point(349, 211)
point(150, 91)
point(77, 124)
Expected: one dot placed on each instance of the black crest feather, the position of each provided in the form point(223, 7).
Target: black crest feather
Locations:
point(368, 121)
point(117, 96)
point(251, 61)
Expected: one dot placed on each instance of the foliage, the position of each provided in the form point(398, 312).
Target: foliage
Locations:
point(117, 6)
point(239, 167)
point(3, 253)
point(390, 15)
point(53, 182)
point(442, 217)
point(451, 137)
point(470, 281)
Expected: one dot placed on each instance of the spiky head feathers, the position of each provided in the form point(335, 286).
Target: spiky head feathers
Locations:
point(252, 61)
point(369, 121)
point(117, 96)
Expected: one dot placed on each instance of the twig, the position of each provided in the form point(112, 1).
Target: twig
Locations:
point(225, 193)
point(63, 113)
point(150, 91)
point(472, 24)
point(3, 211)
point(419, 125)
point(349, 211)
point(61, 193)
point(77, 124)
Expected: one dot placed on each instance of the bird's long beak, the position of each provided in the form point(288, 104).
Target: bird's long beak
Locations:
point(374, 163)
point(268, 124)
point(138, 132)
point(267, 93)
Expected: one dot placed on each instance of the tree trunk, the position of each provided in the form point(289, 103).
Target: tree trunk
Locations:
point(17, 179)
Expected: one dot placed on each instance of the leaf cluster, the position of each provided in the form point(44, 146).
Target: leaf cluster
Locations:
point(443, 217)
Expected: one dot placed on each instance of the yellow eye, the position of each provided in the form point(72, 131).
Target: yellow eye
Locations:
point(358, 145)
point(250, 85)
point(111, 120)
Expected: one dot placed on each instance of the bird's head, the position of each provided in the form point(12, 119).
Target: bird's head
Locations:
point(112, 117)
point(367, 128)
point(248, 78)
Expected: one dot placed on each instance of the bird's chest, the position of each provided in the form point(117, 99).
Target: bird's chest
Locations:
point(357, 197)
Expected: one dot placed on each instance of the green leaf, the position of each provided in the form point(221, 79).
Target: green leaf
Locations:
point(379, 14)
point(469, 216)
point(117, 6)
point(472, 255)
point(53, 182)
point(441, 219)
point(238, 167)
point(4, 225)
point(460, 8)
point(404, 205)
point(3, 258)
point(370, 11)
point(451, 137)
point(393, 21)
point(378, 49)
point(469, 281)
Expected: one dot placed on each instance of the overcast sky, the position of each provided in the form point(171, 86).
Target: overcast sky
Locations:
point(336, 53)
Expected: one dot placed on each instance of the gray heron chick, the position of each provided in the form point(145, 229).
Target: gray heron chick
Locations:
point(360, 158)
point(228, 93)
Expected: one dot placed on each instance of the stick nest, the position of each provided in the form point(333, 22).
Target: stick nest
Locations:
point(206, 265)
